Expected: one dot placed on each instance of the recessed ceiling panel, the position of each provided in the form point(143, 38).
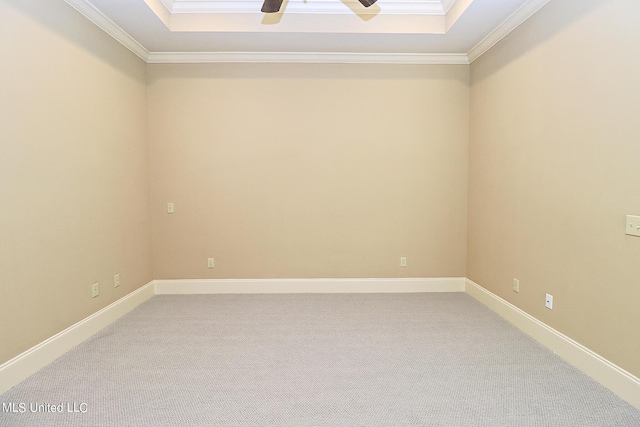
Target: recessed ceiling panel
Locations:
point(310, 16)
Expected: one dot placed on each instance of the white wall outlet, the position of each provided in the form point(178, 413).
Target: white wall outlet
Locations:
point(116, 280)
point(549, 302)
point(633, 225)
point(170, 208)
point(516, 285)
point(95, 290)
point(210, 263)
point(403, 261)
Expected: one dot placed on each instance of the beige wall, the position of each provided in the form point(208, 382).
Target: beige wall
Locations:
point(323, 171)
point(73, 171)
point(554, 169)
point(308, 170)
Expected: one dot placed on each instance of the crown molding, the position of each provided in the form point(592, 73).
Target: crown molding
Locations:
point(447, 4)
point(168, 4)
point(108, 26)
point(307, 58)
point(508, 25)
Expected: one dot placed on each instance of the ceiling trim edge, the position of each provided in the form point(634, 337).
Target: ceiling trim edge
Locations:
point(308, 58)
point(507, 26)
point(109, 27)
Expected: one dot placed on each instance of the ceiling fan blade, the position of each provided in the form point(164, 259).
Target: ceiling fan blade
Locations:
point(272, 6)
point(367, 3)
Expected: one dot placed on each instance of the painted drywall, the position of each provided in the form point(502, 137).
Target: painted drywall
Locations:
point(290, 170)
point(553, 171)
point(74, 179)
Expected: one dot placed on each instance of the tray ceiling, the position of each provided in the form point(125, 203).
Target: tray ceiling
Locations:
point(390, 31)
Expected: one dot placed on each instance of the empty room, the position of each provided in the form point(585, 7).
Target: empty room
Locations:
point(320, 213)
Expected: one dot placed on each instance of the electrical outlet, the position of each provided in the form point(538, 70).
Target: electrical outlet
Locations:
point(516, 285)
point(633, 225)
point(170, 208)
point(116, 280)
point(403, 261)
point(549, 302)
point(210, 263)
point(95, 290)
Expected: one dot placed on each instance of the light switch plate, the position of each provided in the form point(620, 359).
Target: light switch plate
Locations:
point(633, 225)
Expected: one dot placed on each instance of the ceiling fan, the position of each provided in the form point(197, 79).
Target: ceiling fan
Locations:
point(273, 6)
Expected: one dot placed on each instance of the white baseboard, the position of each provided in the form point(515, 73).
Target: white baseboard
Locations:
point(20, 367)
point(616, 379)
point(296, 286)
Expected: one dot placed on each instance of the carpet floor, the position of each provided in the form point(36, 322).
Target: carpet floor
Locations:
point(393, 360)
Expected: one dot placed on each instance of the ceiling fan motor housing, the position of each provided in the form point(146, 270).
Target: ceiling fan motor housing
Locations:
point(271, 6)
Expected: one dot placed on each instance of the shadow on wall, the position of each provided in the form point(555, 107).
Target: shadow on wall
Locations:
point(65, 21)
point(565, 13)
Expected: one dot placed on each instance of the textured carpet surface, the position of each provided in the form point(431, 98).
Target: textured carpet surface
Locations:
point(391, 360)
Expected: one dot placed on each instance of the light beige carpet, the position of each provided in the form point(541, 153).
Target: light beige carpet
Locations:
point(314, 360)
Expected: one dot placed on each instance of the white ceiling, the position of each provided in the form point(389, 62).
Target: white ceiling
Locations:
point(390, 31)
